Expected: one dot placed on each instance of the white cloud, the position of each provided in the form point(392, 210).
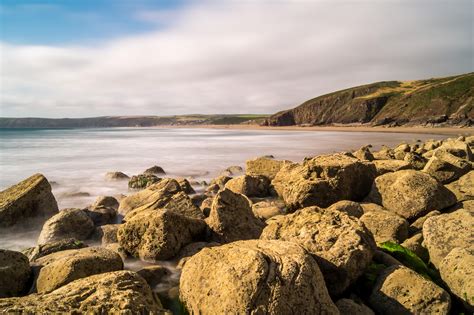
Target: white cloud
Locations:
point(239, 57)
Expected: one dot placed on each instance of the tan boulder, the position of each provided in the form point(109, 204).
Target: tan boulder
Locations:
point(385, 153)
point(254, 277)
point(385, 226)
point(264, 166)
point(106, 201)
point(267, 208)
point(342, 246)
point(14, 273)
point(324, 180)
point(250, 186)
point(457, 148)
point(387, 166)
point(415, 160)
point(463, 188)
point(106, 234)
point(158, 234)
point(417, 226)
point(30, 198)
point(186, 186)
point(120, 292)
point(61, 268)
point(53, 247)
point(352, 208)
point(364, 154)
point(231, 218)
point(217, 184)
point(400, 290)
point(410, 194)
point(443, 233)
point(445, 167)
point(415, 244)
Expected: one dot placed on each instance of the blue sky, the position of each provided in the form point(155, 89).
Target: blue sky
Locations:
point(75, 21)
point(82, 58)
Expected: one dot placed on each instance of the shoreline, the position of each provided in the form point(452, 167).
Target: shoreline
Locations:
point(448, 131)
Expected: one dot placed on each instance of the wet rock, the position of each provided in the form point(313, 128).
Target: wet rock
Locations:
point(445, 167)
point(155, 170)
point(68, 223)
point(387, 166)
point(457, 272)
point(351, 208)
point(154, 274)
point(109, 293)
point(231, 218)
point(116, 176)
point(250, 186)
point(159, 235)
point(348, 306)
point(386, 226)
point(264, 166)
point(342, 246)
point(268, 277)
point(324, 180)
point(443, 233)
point(61, 268)
point(463, 188)
point(53, 247)
point(400, 290)
point(101, 215)
point(106, 201)
point(265, 209)
point(14, 273)
point(30, 198)
point(410, 194)
point(142, 181)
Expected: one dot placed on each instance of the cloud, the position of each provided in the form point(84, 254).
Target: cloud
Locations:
point(239, 57)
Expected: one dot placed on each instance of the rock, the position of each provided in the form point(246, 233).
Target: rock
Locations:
point(443, 233)
point(107, 234)
point(457, 148)
point(368, 206)
point(324, 180)
point(158, 235)
point(415, 244)
point(417, 226)
point(386, 226)
point(185, 186)
point(384, 154)
point(265, 209)
point(364, 154)
point(14, 273)
point(250, 186)
point(400, 290)
point(155, 170)
point(348, 306)
point(123, 292)
point(198, 199)
point(206, 206)
point(53, 247)
point(217, 184)
point(431, 144)
point(117, 248)
point(61, 268)
point(342, 246)
point(401, 150)
point(101, 215)
point(351, 208)
point(106, 201)
point(231, 218)
point(387, 166)
point(264, 166)
point(415, 160)
point(232, 170)
point(142, 181)
point(445, 167)
point(457, 272)
point(68, 223)
point(255, 276)
point(463, 188)
point(410, 194)
point(30, 198)
point(192, 249)
point(154, 274)
point(111, 176)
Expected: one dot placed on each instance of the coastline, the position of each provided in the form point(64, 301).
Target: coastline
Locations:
point(448, 131)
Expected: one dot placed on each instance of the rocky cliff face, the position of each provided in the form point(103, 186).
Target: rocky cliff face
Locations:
point(435, 101)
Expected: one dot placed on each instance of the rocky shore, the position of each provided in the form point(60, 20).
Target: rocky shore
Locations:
point(363, 232)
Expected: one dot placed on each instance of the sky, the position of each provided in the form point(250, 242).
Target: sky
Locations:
point(121, 57)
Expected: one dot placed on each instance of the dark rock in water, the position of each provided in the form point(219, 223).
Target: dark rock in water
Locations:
point(109, 293)
point(14, 273)
point(154, 274)
point(61, 268)
point(232, 170)
point(28, 199)
point(68, 223)
point(142, 181)
point(116, 176)
point(76, 194)
point(155, 170)
point(53, 247)
point(106, 201)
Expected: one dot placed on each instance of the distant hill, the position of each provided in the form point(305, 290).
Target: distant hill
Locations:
point(440, 101)
point(128, 121)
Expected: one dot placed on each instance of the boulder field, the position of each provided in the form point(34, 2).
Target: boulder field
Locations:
point(363, 232)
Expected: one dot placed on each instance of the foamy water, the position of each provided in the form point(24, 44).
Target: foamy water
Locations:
point(77, 159)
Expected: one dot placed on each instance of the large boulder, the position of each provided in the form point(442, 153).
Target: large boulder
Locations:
point(387, 166)
point(158, 234)
point(250, 186)
point(410, 194)
point(106, 201)
point(342, 246)
point(155, 170)
point(45, 249)
point(400, 290)
point(445, 167)
point(269, 207)
point(231, 218)
point(415, 160)
point(29, 198)
point(463, 188)
point(62, 267)
point(101, 215)
point(323, 180)
point(114, 176)
point(14, 273)
point(68, 223)
point(457, 148)
point(364, 154)
point(443, 233)
point(106, 234)
point(185, 186)
point(457, 272)
point(385, 226)
point(217, 184)
point(254, 277)
point(352, 208)
point(119, 292)
point(264, 166)
point(142, 181)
